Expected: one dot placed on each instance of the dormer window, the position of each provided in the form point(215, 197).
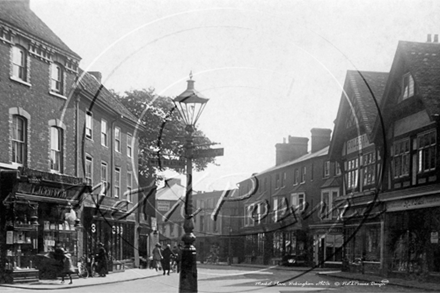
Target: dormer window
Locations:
point(408, 86)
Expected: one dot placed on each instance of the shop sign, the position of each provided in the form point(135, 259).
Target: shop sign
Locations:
point(357, 143)
point(163, 206)
point(434, 237)
point(414, 203)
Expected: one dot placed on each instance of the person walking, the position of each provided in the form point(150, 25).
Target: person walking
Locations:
point(64, 263)
point(157, 256)
point(102, 260)
point(177, 250)
point(167, 254)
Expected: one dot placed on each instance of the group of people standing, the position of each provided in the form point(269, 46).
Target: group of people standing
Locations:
point(165, 257)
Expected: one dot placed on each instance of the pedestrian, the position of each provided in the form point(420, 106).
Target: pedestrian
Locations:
point(167, 254)
point(64, 263)
point(178, 256)
point(101, 259)
point(157, 256)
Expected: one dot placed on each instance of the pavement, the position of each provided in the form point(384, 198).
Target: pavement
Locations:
point(135, 274)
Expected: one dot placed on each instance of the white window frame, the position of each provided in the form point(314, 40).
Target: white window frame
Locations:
point(19, 143)
point(326, 169)
point(407, 86)
point(89, 125)
point(117, 139)
point(303, 174)
point(57, 78)
point(19, 64)
point(129, 145)
point(330, 213)
point(104, 179)
point(104, 133)
point(117, 185)
point(56, 149)
point(89, 169)
point(298, 201)
point(129, 185)
point(426, 151)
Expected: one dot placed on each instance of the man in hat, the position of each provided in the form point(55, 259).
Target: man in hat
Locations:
point(157, 256)
point(101, 258)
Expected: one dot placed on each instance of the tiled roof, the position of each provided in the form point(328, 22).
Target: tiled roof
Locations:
point(91, 85)
point(423, 60)
point(18, 14)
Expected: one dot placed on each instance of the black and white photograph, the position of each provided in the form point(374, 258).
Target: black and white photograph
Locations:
point(219, 146)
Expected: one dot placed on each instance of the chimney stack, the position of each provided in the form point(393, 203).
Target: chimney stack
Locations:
point(293, 149)
point(96, 74)
point(429, 38)
point(320, 138)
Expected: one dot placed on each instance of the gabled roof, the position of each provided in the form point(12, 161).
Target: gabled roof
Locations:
point(17, 14)
point(91, 85)
point(363, 91)
point(422, 60)
point(172, 191)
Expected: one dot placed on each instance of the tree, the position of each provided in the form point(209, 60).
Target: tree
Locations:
point(163, 135)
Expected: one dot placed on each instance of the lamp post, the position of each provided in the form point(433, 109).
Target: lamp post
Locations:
point(190, 105)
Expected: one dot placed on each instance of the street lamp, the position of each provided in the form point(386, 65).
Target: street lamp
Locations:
point(190, 105)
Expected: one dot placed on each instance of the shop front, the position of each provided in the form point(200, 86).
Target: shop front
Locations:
point(328, 241)
point(413, 248)
point(41, 211)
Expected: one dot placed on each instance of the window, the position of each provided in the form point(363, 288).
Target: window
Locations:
point(277, 181)
point(337, 169)
point(426, 146)
point(19, 139)
point(117, 182)
point(326, 169)
point(117, 139)
point(326, 201)
point(408, 86)
point(401, 158)
point(298, 201)
point(283, 179)
point(303, 174)
point(369, 164)
point(311, 171)
point(89, 169)
point(129, 186)
point(104, 133)
point(57, 78)
point(249, 210)
point(19, 60)
point(129, 147)
point(89, 125)
point(104, 178)
point(296, 177)
point(352, 173)
point(56, 147)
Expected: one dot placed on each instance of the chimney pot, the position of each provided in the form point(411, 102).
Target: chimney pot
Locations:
point(96, 74)
point(429, 38)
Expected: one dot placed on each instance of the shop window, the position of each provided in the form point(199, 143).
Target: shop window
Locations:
point(129, 145)
point(426, 148)
point(19, 64)
point(19, 139)
point(333, 245)
point(369, 168)
point(56, 149)
point(352, 167)
point(57, 78)
point(104, 133)
point(401, 158)
point(117, 182)
point(89, 125)
point(117, 139)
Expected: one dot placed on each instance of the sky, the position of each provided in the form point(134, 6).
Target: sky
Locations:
point(269, 68)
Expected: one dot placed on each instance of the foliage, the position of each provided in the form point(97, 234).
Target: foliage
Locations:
point(162, 135)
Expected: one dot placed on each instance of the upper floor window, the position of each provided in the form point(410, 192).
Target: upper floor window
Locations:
point(401, 158)
point(117, 182)
point(117, 139)
point(298, 200)
point(57, 78)
point(89, 125)
point(408, 86)
point(369, 168)
point(303, 174)
point(104, 178)
point(295, 176)
point(56, 148)
point(283, 179)
point(89, 169)
point(352, 173)
point(129, 185)
point(277, 180)
point(104, 133)
point(129, 145)
point(328, 212)
point(338, 171)
point(19, 63)
point(326, 168)
point(19, 139)
point(426, 148)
